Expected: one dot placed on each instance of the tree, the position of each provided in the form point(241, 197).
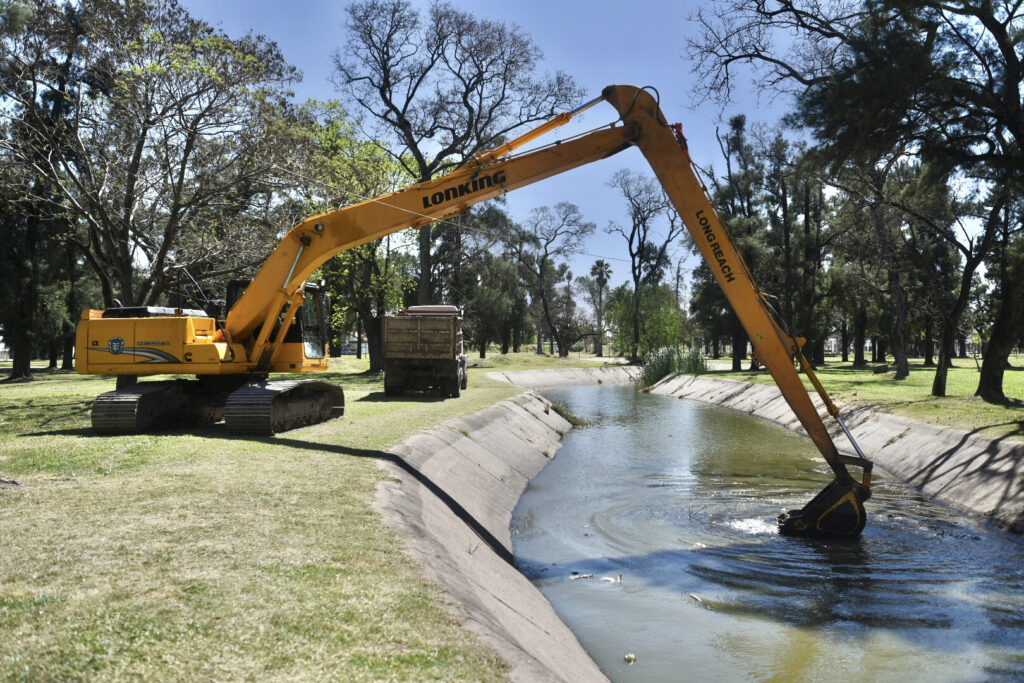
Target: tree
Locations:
point(594, 288)
point(469, 272)
point(737, 198)
point(939, 79)
point(440, 88)
point(166, 146)
point(552, 233)
point(331, 165)
point(1008, 323)
point(496, 307)
point(35, 228)
point(648, 253)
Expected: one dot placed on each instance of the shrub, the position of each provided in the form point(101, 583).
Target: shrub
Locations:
point(663, 362)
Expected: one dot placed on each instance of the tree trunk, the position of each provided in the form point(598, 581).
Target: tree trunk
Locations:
point(506, 337)
point(819, 351)
point(1005, 331)
point(929, 344)
point(844, 336)
point(860, 323)
point(899, 332)
point(21, 356)
point(951, 320)
point(945, 358)
point(635, 353)
point(375, 342)
point(424, 290)
point(359, 336)
point(739, 349)
point(68, 362)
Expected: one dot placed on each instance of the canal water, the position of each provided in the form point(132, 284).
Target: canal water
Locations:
point(679, 499)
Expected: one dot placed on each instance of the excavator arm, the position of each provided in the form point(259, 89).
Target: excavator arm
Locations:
point(276, 293)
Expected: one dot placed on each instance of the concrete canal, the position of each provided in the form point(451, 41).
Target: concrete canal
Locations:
point(679, 499)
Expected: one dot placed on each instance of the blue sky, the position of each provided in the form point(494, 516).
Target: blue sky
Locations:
point(598, 42)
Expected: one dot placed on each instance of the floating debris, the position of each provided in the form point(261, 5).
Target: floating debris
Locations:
point(629, 658)
point(609, 579)
point(695, 597)
point(577, 575)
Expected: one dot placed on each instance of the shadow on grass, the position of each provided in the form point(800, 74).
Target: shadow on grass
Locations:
point(415, 397)
point(446, 498)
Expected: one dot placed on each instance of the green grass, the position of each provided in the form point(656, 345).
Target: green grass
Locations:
point(912, 397)
point(535, 361)
point(200, 555)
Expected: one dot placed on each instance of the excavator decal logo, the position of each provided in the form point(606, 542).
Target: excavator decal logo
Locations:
point(472, 186)
point(115, 346)
point(716, 249)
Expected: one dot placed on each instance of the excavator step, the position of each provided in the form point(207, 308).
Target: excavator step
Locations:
point(271, 407)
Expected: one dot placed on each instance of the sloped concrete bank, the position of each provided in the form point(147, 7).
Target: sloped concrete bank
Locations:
point(982, 476)
point(451, 495)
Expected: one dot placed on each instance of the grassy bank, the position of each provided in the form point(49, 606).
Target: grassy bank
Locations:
point(912, 397)
point(195, 554)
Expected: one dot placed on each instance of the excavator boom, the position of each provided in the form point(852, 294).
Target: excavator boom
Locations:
point(253, 337)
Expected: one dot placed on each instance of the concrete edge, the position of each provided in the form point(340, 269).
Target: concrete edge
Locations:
point(564, 377)
point(450, 495)
point(982, 476)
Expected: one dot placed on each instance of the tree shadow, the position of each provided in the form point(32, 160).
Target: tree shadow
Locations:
point(991, 463)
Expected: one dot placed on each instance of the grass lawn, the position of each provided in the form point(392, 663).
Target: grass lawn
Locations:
point(912, 397)
point(201, 555)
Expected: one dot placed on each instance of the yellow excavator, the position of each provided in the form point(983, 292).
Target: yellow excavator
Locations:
point(277, 322)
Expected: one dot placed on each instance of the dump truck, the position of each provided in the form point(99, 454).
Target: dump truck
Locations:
point(423, 350)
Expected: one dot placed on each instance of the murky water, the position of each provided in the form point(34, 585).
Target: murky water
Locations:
point(680, 498)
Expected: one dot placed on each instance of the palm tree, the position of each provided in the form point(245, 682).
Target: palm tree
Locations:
point(601, 271)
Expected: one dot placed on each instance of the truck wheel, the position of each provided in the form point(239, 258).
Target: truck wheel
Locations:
point(464, 381)
point(456, 387)
point(391, 387)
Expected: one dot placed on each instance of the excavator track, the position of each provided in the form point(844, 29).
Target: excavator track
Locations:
point(134, 409)
point(271, 407)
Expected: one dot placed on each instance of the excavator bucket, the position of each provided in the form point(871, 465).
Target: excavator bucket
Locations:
point(836, 512)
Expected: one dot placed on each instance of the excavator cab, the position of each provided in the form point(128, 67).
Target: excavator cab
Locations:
point(310, 326)
point(309, 329)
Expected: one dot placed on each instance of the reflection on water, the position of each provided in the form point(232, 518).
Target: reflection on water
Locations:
point(680, 498)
